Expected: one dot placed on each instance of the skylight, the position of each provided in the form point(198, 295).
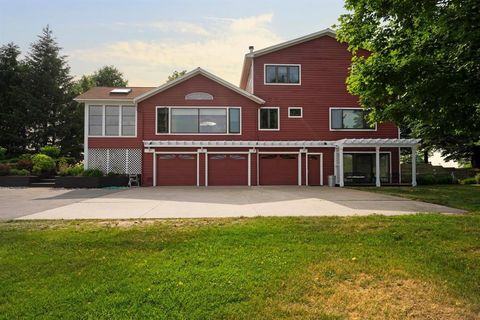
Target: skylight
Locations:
point(121, 91)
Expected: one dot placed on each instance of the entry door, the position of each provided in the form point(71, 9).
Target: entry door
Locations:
point(314, 169)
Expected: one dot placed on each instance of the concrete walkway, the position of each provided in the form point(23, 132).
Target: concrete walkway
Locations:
point(193, 202)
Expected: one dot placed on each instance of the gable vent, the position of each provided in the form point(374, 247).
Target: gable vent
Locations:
point(199, 96)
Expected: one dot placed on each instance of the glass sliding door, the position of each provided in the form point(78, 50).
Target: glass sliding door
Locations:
point(359, 168)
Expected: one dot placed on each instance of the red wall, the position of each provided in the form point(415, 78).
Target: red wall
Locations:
point(324, 70)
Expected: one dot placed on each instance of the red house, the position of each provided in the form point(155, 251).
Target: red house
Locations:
point(291, 122)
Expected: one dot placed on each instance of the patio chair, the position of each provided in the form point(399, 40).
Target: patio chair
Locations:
point(133, 179)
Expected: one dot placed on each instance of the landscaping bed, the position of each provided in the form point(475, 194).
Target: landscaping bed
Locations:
point(91, 182)
point(17, 181)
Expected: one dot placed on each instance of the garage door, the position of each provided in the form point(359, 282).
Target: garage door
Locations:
point(177, 170)
point(314, 169)
point(278, 169)
point(227, 170)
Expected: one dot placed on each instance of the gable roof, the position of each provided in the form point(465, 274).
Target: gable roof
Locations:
point(249, 56)
point(104, 93)
point(193, 73)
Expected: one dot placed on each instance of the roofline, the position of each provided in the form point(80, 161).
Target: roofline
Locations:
point(193, 73)
point(325, 32)
point(97, 99)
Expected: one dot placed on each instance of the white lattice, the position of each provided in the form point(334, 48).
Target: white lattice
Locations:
point(97, 159)
point(134, 161)
point(116, 160)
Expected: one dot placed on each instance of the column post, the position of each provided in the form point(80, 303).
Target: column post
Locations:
point(414, 166)
point(377, 166)
point(340, 166)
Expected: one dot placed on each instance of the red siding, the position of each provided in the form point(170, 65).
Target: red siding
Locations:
point(324, 70)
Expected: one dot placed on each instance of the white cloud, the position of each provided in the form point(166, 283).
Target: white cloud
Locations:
point(218, 46)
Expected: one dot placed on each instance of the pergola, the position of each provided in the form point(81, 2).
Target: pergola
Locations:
point(377, 144)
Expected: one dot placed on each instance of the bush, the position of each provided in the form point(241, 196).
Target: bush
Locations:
point(428, 179)
point(17, 172)
point(24, 164)
point(3, 153)
point(92, 173)
point(68, 170)
point(25, 156)
point(42, 164)
point(51, 151)
point(470, 180)
point(4, 169)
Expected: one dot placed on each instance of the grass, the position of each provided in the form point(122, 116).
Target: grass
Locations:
point(457, 196)
point(404, 267)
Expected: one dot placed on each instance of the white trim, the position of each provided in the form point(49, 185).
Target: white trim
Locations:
point(283, 65)
point(85, 136)
point(378, 183)
point(169, 133)
point(120, 112)
point(249, 169)
point(325, 32)
point(414, 166)
point(320, 164)
point(206, 169)
point(346, 108)
point(198, 71)
point(278, 121)
point(154, 169)
point(295, 117)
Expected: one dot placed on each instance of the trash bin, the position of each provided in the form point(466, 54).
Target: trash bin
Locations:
point(331, 181)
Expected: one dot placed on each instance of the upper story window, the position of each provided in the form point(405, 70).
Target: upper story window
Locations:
point(295, 112)
point(112, 120)
point(269, 119)
point(173, 120)
point(282, 74)
point(349, 119)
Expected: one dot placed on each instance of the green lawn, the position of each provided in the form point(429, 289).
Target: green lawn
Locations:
point(457, 196)
point(405, 267)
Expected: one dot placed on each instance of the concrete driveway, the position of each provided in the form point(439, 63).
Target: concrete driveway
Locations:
point(193, 202)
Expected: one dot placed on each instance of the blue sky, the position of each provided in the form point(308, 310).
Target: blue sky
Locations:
point(149, 39)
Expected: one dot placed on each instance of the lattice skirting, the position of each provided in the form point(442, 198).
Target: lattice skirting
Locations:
point(116, 160)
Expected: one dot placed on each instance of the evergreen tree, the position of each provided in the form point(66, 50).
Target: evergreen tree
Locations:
point(13, 118)
point(49, 92)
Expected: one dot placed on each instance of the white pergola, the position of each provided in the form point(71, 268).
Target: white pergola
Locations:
point(377, 144)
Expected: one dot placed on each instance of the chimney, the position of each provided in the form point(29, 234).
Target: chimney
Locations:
point(251, 49)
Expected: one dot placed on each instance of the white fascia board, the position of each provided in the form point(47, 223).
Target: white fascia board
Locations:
point(199, 71)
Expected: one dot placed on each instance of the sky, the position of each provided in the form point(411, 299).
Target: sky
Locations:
point(147, 40)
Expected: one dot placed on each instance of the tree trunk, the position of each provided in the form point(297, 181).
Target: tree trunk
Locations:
point(425, 156)
point(476, 157)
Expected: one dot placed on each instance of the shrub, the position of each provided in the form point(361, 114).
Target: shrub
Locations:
point(17, 172)
point(428, 179)
point(4, 169)
point(477, 177)
point(3, 153)
point(51, 151)
point(75, 170)
point(25, 156)
point(42, 164)
point(24, 164)
point(470, 180)
point(92, 173)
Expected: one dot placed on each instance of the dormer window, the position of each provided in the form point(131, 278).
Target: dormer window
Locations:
point(286, 74)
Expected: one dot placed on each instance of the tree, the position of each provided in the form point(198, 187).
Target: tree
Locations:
point(13, 129)
point(48, 91)
point(423, 71)
point(108, 76)
point(176, 74)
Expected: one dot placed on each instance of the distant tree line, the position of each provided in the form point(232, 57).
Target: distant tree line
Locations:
point(36, 98)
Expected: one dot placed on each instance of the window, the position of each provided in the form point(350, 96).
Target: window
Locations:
point(112, 120)
point(234, 120)
point(349, 119)
point(295, 112)
point(198, 120)
point(162, 120)
point(128, 121)
point(269, 119)
point(282, 74)
point(95, 120)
